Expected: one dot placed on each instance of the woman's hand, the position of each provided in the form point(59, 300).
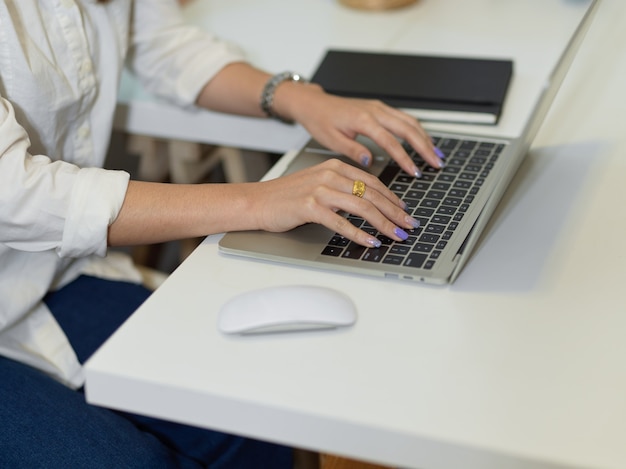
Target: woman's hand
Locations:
point(335, 122)
point(316, 194)
point(153, 212)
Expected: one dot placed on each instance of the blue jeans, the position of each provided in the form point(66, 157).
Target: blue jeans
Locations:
point(44, 424)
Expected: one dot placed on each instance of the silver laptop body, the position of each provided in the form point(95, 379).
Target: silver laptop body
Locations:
point(438, 250)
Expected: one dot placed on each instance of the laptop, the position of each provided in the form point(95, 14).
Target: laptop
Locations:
point(453, 205)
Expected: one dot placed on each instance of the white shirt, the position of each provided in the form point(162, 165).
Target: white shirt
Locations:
point(60, 63)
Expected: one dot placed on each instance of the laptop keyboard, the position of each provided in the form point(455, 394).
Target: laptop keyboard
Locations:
point(439, 200)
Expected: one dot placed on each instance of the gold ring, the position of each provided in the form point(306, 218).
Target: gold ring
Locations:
point(358, 188)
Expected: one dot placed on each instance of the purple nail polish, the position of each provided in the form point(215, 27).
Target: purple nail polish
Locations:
point(413, 222)
point(374, 242)
point(439, 153)
point(365, 160)
point(400, 233)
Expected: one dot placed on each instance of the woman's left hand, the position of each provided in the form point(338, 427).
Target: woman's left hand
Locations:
point(335, 122)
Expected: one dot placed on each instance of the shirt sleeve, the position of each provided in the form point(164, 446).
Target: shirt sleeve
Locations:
point(53, 205)
point(171, 58)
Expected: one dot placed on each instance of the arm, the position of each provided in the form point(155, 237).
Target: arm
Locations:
point(334, 121)
point(154, 212)
point(52, 205)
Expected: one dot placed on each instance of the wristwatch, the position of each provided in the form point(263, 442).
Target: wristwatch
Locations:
point(267, 96)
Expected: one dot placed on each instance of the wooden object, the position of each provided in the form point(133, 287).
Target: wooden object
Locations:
point(376, 4)
point(336, 462)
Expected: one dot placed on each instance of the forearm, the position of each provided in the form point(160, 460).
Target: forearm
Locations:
point(156, 212)
point(238, 87)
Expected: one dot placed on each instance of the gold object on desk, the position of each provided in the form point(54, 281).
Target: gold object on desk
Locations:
point(376, 4)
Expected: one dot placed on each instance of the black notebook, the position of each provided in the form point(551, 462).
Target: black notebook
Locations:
point(435, 88)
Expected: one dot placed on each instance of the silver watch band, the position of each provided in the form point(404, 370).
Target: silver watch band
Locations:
point(267, 96)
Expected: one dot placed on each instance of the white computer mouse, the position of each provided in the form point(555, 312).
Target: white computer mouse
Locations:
point(286, 308)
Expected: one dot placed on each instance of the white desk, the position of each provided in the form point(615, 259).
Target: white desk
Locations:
point(519, 364)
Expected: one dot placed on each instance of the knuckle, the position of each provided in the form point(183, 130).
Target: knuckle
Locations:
point(341, 225)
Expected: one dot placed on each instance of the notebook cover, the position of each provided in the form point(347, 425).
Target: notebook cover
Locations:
point(450, 85)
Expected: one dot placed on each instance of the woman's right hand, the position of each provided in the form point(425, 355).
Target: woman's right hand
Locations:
point(154, 212)
point(316, 194)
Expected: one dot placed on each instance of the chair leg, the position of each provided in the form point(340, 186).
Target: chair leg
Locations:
point(153, 161)
point(190, 162)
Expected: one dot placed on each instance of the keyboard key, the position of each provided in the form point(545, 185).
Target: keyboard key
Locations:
point(430, 203)
point(354, 251)
point(461, 154)
point(447, 143)
point(385, 240)
point(420, 186)
point(435, 194)
point(429, 238)
point(375, 254)
point(339, 241)
point(457, 193)
point(393, 260)
point(468, 145)
point(411, 204)
point(442, 219)
point(453, 201)
point(415, 259)
point(422, 247)
point(441, 186)
point(399, 249)
point(423, 212)
point(332, 251)
point(446, 210)
point(413, 194)
point(388, 174)
point(398, 188)
point(451, 169)
point(462, 184)
point(433, 228)
point(445, 177)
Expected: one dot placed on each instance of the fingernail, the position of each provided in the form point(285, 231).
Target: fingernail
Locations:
point(400, 233)
point(439, 153)
point(412, 221)
point(416, 172)
point(374, 242)
point(441, 164)
point(403, 205)
point(365, 160)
